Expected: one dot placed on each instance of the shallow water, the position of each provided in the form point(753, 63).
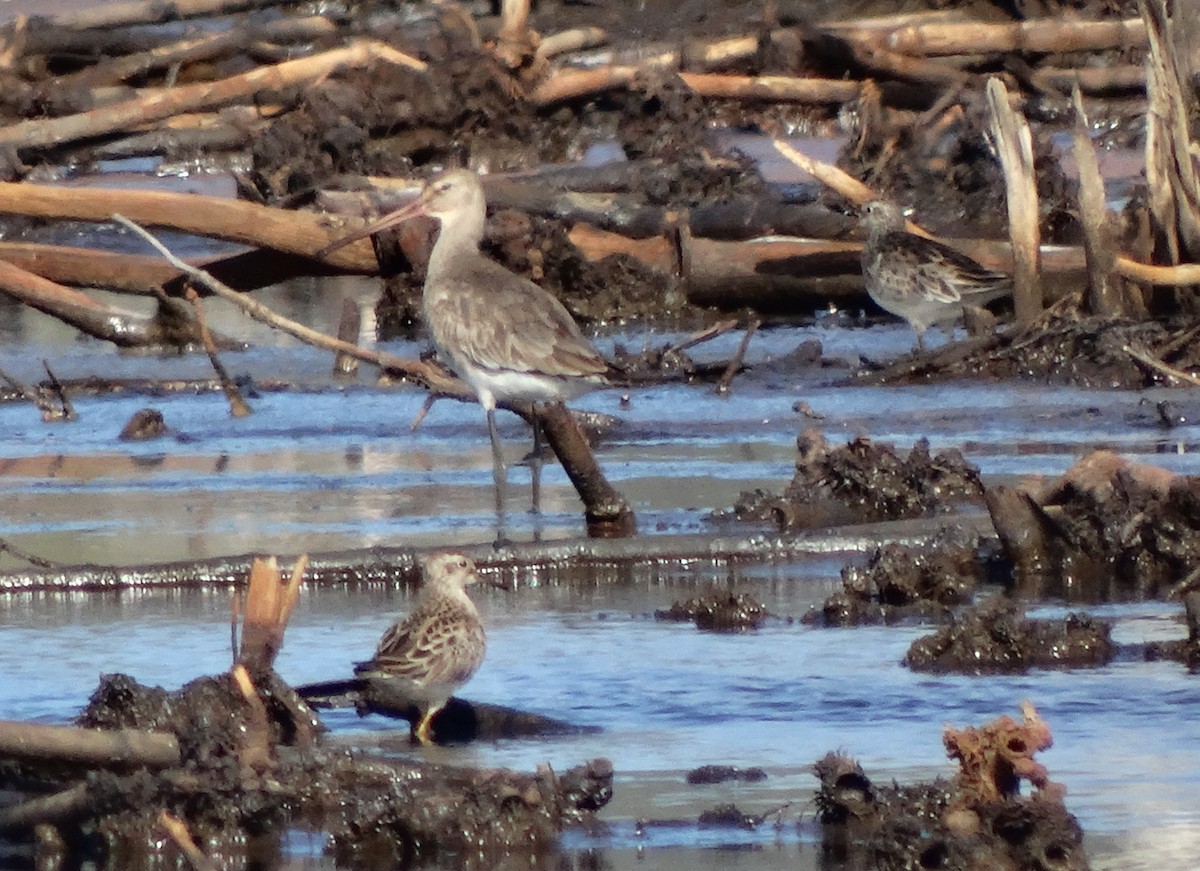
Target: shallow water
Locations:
point(333, 466)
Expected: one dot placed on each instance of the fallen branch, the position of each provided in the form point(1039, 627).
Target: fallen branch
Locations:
point(1159, 366)
point(1039, 36)
point(735, 363)
point(105, 748)
point(65, 805)
point(238, 407)
point(154, 12)
point(122, 328)
point(284, 230)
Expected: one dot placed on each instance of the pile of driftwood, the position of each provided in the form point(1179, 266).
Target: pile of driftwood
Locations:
point(124, 81)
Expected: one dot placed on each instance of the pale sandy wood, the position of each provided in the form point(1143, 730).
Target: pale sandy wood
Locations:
point(1102, 298)
point(155, 12)
point(777, 88)
point(828, 174)
point(1014, 143)
point(89, 267)
point(40, 133)
point(101, 747)
point(1172, 158)
point(570, 40)
point(1037, 36)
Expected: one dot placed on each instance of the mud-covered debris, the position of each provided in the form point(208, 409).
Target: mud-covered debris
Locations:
point(729, 816)
point(997, 638)
point(374, 810)
point(1107, 529)
point(862, 482)
point(948, 169)
point(391, 816)
point(995, 758)
point(906, 583)
point(1185, 650)
point(1064, 348)
point(145, 425)
point(977, 820)
point(723, 612)
point(707, 774)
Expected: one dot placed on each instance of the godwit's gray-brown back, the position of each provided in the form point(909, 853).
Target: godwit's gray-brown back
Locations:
point(918, 279)
point(436, 649)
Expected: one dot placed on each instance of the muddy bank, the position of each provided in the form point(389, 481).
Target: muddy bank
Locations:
point(234, 772)
point(979, 819)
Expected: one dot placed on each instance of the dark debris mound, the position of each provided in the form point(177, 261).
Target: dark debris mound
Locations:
point(1185, 650)
point(997, 638)
point(722, 612)
point(248, 768)
point(393, 815)
point(1062, 348)
point(949, 170)
point(1108, 529)
point(905, 583)
point(863, 482)
point(615, 287)
point(977, 820)
point(708, 774)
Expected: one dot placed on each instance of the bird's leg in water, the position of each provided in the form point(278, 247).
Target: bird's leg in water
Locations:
point(499, 475)
point(535, 464)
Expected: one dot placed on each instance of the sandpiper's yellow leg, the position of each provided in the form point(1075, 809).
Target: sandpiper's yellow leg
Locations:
point(424, 726)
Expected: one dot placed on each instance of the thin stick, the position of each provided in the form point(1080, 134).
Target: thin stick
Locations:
point(735, 364)
point(1179, 275)
point(828, 174)
point(179, 833)
point(235, 618)
point(40, 562)
point(717, 329)
point(425, 406)
point(291, 593)
point(434, 377)
point(1159, 365)
point(68, 410)
point(238, 406)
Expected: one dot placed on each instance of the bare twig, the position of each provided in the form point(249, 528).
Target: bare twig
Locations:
point(40, 562)
point(63, 805)
point(735, 363)
point(67, 409)
point(432, 376)
point(238, 406)
point(178, 831)
point(711, 332)
point(1159, 366)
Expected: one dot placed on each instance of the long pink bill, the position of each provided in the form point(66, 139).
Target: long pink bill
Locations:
point(391, 219)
